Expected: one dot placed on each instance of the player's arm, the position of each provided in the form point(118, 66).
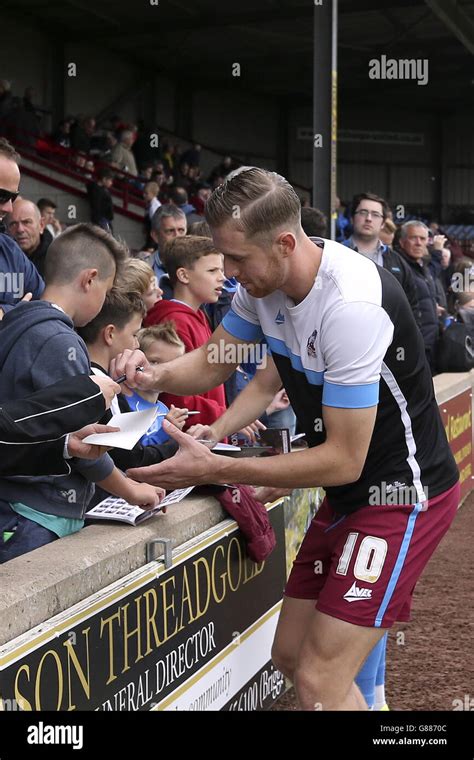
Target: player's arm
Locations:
point(191, 374)
point(339, 460)
point(355, 339)
point(248, 406)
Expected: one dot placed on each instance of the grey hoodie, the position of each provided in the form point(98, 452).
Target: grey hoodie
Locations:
point(38, 347)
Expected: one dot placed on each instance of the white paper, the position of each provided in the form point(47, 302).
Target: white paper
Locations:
point(218, 446)
point(132, 426)
point(225, 447)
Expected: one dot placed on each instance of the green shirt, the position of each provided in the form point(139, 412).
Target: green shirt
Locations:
point(62, 526)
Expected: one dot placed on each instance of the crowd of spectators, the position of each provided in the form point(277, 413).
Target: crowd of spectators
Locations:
point(114, 155)
point(172, 293)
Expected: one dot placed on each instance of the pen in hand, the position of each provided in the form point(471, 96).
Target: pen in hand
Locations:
point(122, 378)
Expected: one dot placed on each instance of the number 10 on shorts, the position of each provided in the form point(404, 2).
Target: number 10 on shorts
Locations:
point(370, 557)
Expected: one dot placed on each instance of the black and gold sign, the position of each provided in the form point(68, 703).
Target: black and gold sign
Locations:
point(136, 645)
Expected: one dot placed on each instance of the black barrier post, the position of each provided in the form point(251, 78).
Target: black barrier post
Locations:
point(325, 109)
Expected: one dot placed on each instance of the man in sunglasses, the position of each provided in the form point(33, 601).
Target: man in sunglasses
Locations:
point(19, 279)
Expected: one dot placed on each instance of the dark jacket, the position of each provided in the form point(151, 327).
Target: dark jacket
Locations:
point(39, 254)
point(426, 290)
point(38, 346)
point(102, 207)
point(17, 274)
point(32, 430)
point(394, 263)
point(401, 270)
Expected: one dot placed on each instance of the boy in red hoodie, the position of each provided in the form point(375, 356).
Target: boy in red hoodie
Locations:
point(196, 272)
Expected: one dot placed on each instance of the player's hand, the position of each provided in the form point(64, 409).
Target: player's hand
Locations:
point(77, 448)
point(267, 494)
point(127, 363)
point(193, 464)
point(108, 387)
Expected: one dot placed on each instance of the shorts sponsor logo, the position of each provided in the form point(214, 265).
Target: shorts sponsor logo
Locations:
point(355, 594)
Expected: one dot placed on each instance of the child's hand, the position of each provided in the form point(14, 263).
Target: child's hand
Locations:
point(108, 387)
point(202, 432)
point(280, 402)
point(252, 430)
point(144, 496)
point(177, 416)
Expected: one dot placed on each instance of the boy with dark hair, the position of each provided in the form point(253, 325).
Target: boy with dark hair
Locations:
point(110, 333)
point(195, 269)
point(38, 346)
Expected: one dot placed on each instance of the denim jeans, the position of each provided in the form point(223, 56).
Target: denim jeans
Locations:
point(27, 534)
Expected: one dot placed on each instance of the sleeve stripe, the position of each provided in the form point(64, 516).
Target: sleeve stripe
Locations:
point(59, 408)
point(279, 347)
point(241, 328)
point(351, 396)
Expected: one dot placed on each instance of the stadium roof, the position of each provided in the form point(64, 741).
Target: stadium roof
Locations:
point(197, 41)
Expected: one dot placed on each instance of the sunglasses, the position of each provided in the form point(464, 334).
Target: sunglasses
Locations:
point(6, 196)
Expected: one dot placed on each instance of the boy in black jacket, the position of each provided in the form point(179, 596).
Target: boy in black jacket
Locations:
point(38, 433)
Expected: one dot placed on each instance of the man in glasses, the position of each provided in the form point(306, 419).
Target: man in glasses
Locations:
point(19, 278)
point(369, 212)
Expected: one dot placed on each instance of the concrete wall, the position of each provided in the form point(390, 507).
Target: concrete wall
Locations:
point(51, 579)
point(34, 588)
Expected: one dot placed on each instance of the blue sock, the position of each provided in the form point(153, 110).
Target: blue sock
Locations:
point(380, 699)
point(380, 676)
point(367, 674)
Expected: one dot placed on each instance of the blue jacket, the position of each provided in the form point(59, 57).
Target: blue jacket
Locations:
point(38, 347)
point(17, 274)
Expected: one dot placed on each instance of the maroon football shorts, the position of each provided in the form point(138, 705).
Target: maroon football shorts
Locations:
point(363, 567)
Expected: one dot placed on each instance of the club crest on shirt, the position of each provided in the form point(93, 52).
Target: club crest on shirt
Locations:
point(310, 346)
